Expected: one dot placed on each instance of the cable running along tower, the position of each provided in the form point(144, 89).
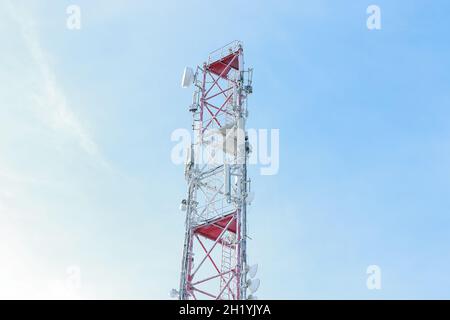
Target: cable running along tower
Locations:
point(214, 263)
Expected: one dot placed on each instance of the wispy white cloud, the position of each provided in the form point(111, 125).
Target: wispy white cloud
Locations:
point(32, 168)
point(51, 103)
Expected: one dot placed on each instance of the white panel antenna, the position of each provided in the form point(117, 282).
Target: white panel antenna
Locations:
point(188, 77)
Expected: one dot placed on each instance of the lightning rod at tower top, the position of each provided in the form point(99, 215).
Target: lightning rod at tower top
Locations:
point(214, 262)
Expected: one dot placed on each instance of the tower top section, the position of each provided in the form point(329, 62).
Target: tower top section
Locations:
point(223, 55)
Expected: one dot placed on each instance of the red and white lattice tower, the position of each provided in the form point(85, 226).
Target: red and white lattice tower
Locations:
point(214, 261)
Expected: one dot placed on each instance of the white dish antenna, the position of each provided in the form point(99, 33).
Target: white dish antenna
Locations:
point(251, 271)
point(188, 77)
point(253, 285)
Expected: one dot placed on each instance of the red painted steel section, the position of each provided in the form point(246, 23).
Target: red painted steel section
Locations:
point(213, 229)
point(218, 67)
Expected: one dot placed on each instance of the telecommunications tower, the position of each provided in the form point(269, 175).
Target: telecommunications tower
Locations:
point(214, 263)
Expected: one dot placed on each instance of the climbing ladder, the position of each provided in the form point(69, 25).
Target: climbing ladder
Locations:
point(228, 262)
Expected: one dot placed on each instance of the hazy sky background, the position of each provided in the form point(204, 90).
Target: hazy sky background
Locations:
point(86, 177)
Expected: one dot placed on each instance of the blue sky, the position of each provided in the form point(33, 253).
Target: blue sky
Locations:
point(86, 116)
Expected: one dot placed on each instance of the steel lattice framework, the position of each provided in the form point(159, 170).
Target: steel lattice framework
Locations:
point(214, 254)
